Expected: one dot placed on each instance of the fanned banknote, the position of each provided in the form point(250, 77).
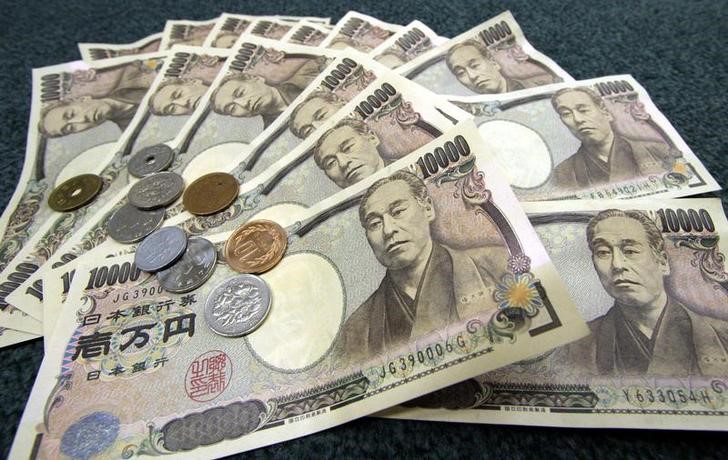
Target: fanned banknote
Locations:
point(217, 136)
point(411, 41)
point(590, 139)
point(98, 51)
point(228, 29)
point(364, 143)
point(650, 279)
point(491, 58)
point(359, 31)
point(489, 296)
point(345, 77)
point(185, 32)
point(78, 112)
point(306, 33)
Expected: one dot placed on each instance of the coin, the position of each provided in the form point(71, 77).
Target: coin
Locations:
point(161, 249)
point(211, 193)
point(256, 246)
point(75, 192)
point(150, 160)
point(237, 306)
point(192, 270)
point(157, 190)
point(129, 224)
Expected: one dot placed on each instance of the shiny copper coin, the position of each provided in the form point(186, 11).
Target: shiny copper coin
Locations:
point(211, 193)
point(75, 192)
point(256, 246)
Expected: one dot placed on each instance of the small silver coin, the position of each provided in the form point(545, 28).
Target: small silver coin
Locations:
point(192, 270)
point(129, 224)
point(158, 190)
point(161, 249)
point(150, 160)
point(237, 306)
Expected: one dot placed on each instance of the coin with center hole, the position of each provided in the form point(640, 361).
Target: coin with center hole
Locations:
point(211, 193)
point(161, 249)
point(155, 191)
point(150, 160)
point(75, 192)
point(238, 305)
point(256, 246)
point(129, 224)
point(193, 269)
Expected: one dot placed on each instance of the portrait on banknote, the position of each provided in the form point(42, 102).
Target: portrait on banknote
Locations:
point(313, 111)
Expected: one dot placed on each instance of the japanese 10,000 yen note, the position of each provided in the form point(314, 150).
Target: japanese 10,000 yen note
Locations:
point(78, 111)
point(591, 139)
point(489, 296)
point(491, 58)
point(359, 31)
point(185, 32)
point(363, 143)
point(306, 33)
point(98, 51)
point(230, 27)
point(411, 41)
point(228, 131)
point(171, 99)
point(650, 279)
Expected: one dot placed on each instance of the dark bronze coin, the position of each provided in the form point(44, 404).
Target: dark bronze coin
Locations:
point(211, 193)
point(75, 192)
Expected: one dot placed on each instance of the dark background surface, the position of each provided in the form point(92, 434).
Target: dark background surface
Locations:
point(676, 49)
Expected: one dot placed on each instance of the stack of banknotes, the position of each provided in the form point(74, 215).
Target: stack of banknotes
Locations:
point(240, 231)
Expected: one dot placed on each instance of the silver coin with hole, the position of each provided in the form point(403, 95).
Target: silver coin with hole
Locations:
point(130, 224)
point(161, 249)
point(158, 190)
point(238, 305)
point(193, 269)
point(150, 160)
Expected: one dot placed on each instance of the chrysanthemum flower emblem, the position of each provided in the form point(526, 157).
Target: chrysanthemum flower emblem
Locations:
point(519, 263)
point(518, 290)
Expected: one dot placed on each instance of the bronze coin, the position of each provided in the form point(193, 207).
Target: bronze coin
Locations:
point(75, 192)
point(211, 193)
point(256, 246)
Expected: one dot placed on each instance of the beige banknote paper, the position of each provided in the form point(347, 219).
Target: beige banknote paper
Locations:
point(220, 133)
point(98, 51)
point(650, 279)
point(78, 111)
point(346, 77)
point(185, 32)
point(359, 31)
point(590, 139)
point(306, 33)
point(491, 58)
point(489, 295)
point(411, 41)
point(230, 27)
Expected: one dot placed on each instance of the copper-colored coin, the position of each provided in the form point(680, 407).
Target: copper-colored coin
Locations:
point(75, 192)
point(256, 247)
point(211, 193)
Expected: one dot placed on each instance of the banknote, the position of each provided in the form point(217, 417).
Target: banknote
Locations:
point(216, 137)
point(489, 295)
point(590, 139)
point(493, 57)
point(411, 41)
point(97, 51)
point(78, 111)
point(185, 32)
point(228, 28)
point(359, 31)
point(650, 279)
point(270, 28)
point(326, 22)
point(306, 33)
point(345, 77)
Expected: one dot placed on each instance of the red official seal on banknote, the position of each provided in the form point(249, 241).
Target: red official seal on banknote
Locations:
point(208, 376)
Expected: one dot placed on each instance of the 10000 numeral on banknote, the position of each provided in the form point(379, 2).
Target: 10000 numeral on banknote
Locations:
point(650, 279)
point(348, 332)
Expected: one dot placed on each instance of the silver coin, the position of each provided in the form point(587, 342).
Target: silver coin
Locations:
point(161, 249)
point(237, 306)
point(193, 269)
point(129, 224)
point(158, 190)
point(150, 160)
